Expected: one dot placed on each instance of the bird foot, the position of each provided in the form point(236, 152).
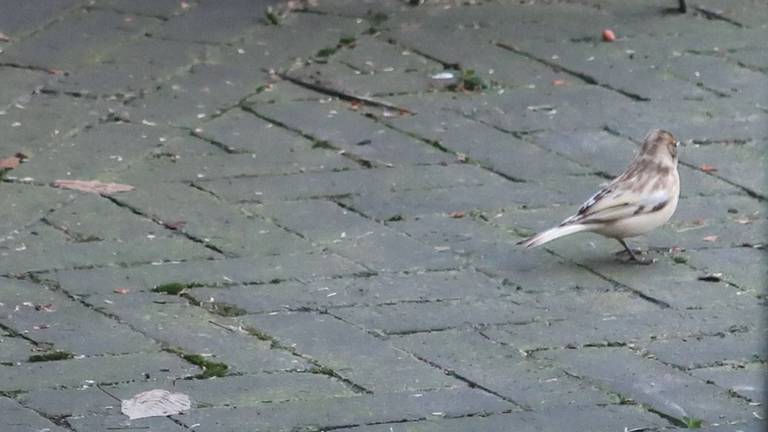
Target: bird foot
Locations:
point(633, 256)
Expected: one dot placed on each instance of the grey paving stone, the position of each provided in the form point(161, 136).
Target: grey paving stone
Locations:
point(373, 55)
point(59, 323)
point(242, 131)
point(113, 422)
point(201, 215)
point(38, 125)
point(198, 168)
point(184, 101)
point(95, 370)
point(734, 159)
point(81, 37)
point(339, 76)
point(353, 133)
point(31, 16)
point(164, 8)
point(663, 388)
point(28, 204)
point(129, 69)
point(740, 266)
point(36, 254)
point(248, 390)
point(386, 205)
point(501, 369)
point(366, 182)
point(327, 413)
point(611, 329)
point(91, 217)
point(223, 22)
point(350, 352)
point(16, 418)
point(737, 346)
point(230, 271)
point(499, 151)
point(404, 318)
point(177, 324)
point(343, 292)
point(21, 83)
point(14, 349)
point(745, 380)
point(358, 238)
point(601, 418)
point(92, 154)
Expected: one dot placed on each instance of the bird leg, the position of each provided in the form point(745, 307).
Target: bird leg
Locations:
point(632, 254)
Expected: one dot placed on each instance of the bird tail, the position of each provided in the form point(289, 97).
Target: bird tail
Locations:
point(551, 234)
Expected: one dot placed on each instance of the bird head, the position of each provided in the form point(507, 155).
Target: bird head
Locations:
point(660, 144)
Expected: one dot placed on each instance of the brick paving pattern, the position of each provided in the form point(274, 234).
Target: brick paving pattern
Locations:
point(326, 204)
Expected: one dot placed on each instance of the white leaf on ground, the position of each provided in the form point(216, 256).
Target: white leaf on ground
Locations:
point(155, 403)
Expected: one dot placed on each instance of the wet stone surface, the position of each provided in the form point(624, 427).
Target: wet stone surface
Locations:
point(326, 200)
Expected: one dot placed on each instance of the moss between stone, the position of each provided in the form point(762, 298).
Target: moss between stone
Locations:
point(210, 368)
point(224, 309)
point(172, 288)
point(51, 356)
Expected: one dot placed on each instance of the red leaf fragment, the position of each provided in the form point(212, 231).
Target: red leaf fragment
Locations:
point(10, 162)
point(456, 214)
point(558, 82)
point(121, 290)
point(707, 168)
point(92, 186)
point(609, 35)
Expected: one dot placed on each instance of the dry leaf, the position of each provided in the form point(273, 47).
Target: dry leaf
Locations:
point(711, 277)
point(175, 225)
point(10, 162)
point(558, 82)
point(121, 290)
point(710, 238)
point(707, 168)
point(456, 214)
point(4, 37)
point(49, 307)
point(92, 186)
point(155, 403)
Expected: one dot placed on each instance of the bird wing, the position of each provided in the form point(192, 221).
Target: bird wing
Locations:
point(612, 203)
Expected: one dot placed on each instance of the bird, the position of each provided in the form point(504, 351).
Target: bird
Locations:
point(641, 199)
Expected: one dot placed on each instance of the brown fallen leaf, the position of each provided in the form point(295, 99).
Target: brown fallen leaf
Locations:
point(707, 168)
point(558, 82)
point(710, 238)
point(456, 214)
point(92, 186)
point(175, 225)
point(4, 37)
point(121, 290)
point(48, 307)
point(10, 162)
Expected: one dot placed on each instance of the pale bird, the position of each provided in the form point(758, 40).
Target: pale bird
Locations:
point(641, 199)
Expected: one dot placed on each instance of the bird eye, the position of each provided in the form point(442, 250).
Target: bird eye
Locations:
point(677, 143)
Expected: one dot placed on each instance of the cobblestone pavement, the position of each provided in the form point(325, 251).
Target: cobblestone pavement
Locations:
point(326, 202)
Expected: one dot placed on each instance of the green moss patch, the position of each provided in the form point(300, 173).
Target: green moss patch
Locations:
point(51, 356)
